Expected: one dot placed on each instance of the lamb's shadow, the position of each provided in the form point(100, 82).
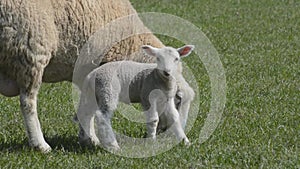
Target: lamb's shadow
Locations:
point(58, 143)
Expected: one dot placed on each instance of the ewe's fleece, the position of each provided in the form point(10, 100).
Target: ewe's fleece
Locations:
point(34, 33)
point(40, 41)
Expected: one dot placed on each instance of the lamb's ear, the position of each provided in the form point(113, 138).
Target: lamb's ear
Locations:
point(185, 50)
point(150, 50)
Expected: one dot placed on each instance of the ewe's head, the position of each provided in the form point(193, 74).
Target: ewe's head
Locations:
point(168, 58)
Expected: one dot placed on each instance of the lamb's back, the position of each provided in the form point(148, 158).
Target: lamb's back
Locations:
point(127, 77)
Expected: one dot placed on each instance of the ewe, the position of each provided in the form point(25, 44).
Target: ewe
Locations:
point(152, 85)
point(40, 41)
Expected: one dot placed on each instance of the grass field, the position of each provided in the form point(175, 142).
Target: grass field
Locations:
point(259, 46)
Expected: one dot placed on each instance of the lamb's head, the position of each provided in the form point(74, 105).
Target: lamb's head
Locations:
point(168, 58)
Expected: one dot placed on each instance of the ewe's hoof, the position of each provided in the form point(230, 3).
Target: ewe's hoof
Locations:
point(43, 148)
point(46, 150)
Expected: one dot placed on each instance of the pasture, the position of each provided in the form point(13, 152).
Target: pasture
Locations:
point(259, 47)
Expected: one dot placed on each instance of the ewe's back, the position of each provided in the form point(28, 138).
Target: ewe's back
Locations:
point(56, 30)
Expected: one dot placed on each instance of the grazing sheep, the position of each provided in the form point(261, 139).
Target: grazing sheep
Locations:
point(152, 85)
point(40, 41)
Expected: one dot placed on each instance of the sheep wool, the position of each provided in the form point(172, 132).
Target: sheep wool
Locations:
point(40, 41)
point(152, 85)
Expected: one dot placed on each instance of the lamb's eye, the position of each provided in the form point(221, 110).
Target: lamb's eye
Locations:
point(176, 59)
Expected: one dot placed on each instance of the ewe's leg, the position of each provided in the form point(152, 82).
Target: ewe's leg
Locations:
point(29, 86)
point(175, 121)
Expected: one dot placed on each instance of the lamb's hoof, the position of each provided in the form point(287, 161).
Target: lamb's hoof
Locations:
point(95, 141)
point(112, 147)
point(186, 142)
point(179, 95)
point(161, 129)
point(89, 142)
point(151, 136)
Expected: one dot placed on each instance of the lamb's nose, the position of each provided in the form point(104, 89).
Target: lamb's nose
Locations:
point(166, 73)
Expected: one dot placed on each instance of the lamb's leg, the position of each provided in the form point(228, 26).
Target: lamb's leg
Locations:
point(162, 124)
point(85, 116)
point(175, 121)
point(106, 134)
point(181, 107)
point(107, 100)
point(29, 87)
point(87, 133)
point(183, 112)
point(151, 111)
point(152, 119)
point(185, 96)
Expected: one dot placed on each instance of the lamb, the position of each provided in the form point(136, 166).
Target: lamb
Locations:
point(152, 85)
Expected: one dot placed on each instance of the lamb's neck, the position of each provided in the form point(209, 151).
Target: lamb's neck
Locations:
point(168, 82)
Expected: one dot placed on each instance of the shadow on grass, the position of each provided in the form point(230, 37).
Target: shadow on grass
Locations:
point(59, 143)
point(14, 146)
point(71, 144)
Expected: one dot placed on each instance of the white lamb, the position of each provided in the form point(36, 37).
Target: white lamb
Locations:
point(153, 85)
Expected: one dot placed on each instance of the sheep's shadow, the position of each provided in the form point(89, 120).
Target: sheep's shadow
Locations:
point(13, 146)
point(58, 143)
point(70, 144)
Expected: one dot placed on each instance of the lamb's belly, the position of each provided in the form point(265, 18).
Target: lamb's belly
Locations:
point(125, 80)
point(124, 97)
point(124, 93)
point(129, 96)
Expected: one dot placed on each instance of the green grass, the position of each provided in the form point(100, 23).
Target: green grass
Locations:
point(259, 46)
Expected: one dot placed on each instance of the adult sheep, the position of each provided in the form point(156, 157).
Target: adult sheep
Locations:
point(39, 41)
